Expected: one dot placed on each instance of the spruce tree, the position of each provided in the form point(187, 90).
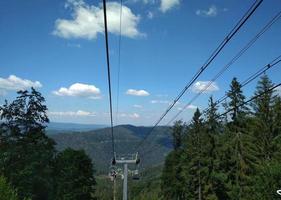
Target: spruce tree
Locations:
point(263, 126)
point(194, 159)
point(277, 129)
point(239, 149)
point(172, 183)
point(215, 188)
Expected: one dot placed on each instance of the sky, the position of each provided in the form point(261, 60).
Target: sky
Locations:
point(58, 47)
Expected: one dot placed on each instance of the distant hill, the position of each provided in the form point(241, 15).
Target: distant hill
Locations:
point(56, 127)
point(97, 144)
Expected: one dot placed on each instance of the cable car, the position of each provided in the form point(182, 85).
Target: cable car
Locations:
point(136, 175)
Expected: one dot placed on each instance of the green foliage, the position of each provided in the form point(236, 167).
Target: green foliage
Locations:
point(27, 155)
point(74, 175)
point(148, 187)
point(235, 159)
point(6, 190)
point(27, 152)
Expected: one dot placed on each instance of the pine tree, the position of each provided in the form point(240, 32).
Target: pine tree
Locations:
point(264, 119)
point(215, 188)
point(239, 149)
point(277, 129)
point(194, 159)
point(177, 134)
point(172, 184)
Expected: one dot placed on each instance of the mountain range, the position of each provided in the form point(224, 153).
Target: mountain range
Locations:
point(98, 144)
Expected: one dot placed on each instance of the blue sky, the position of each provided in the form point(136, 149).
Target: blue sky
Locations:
point(58, 47)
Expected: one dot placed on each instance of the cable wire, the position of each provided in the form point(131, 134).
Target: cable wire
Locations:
point(236, 28)
point(231, 62)
point(119, 60)
point(251, 78)
point(108, 74)
point(226, 112)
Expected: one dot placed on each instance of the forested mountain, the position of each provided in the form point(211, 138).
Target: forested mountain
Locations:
point(230, 156)
point(97, 144)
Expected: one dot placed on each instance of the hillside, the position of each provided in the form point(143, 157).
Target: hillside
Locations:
point(97, 144)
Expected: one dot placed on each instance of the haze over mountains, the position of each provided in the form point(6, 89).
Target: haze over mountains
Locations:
point(61, 126)
point(97, 143)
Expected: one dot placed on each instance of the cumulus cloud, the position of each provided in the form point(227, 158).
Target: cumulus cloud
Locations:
point(79, 113)
point(166, 5)
point(137, 92)
point(212, 11)
point(205, 87)
point(79, 90)
point(15, 83)
point(87, 21)
point(137, 106)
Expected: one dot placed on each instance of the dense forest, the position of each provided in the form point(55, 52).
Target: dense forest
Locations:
point(217, 155)
point(232, 156)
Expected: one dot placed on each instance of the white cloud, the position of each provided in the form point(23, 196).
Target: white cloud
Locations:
point(159, 101)
point(15, 83)
point(150, 15)
point(211, 12)
point(79, 90)
point(79, 113)
point(88, 21)
point(137, 106)
point(168, 4)
point(142, 1)
point(137, 92)
point(133, 115)
point(205, 87)
point(95, 97)
point(189, 107)
point(192, 107)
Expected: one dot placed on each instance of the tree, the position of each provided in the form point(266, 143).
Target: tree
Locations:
point(74, 178)
point(27, 153)
point(237, 111)
point(6, 191)
point(263, 126)
point(215, 188)
point(194, 158)
point(177, 133)
point(172, 167)
point(277, 129)
point(239, 151)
